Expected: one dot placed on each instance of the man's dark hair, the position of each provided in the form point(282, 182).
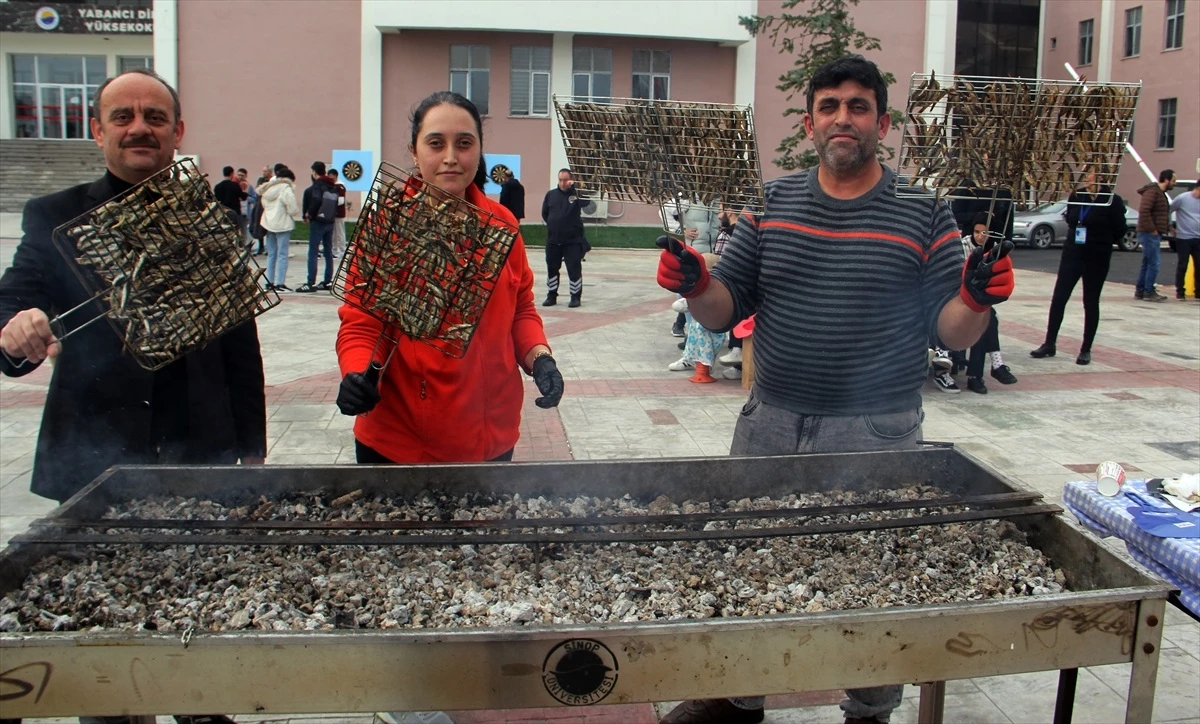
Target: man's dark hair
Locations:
point(569, 174)
point(227, 171)
point(417, 117)
point(319, 167)
point(1166, 175)
point(141, 71)
point(332, 172)
point(850, 67)
point(242, 170)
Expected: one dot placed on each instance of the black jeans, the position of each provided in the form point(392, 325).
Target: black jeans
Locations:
point(988, 343)
point(1187, 249)
point(572, 254)
point(1090, 265)
point(366, 455)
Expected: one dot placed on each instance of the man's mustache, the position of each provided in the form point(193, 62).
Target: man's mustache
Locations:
point(140, 143)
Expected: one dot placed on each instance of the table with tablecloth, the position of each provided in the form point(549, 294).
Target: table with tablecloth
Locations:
point(1175, 560)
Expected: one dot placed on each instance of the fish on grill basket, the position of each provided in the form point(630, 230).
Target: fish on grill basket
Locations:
point(423, 262)
point(168, 263)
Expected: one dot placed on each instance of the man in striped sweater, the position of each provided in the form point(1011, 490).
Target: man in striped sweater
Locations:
point(849, 283)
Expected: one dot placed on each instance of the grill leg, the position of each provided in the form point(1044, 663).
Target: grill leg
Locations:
point(1064, 704)
point(933, 703)
point(1147, 640)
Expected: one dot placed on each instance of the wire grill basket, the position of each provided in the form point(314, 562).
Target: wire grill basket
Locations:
point(1033, 138)
point(652, 152)
point(168, 264)
point(422, 261)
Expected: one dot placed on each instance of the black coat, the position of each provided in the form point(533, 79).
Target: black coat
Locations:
point(1105, 225)
point(100, 404)
point(512, 197)
point(561, 211)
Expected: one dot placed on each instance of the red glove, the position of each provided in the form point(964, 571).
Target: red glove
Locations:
point(681, 269)
point(987, 276)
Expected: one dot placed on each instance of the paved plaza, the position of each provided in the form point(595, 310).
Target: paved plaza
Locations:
point(1137, 403)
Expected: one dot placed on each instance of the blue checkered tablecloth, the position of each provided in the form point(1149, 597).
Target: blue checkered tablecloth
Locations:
point(1175, 560)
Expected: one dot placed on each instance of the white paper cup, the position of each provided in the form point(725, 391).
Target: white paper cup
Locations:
point(1109, 478)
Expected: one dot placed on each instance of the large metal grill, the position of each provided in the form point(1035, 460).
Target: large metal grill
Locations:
point(1112, 612)
point(972, 136)
point(422, 261)
point(653, 152)
point(168, 264)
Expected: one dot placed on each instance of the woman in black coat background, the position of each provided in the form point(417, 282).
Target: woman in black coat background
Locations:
point(1087, 251)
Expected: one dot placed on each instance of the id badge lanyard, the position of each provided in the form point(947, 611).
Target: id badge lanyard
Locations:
point(1080, 229)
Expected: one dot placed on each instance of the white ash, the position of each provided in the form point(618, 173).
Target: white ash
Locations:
point(230, 587)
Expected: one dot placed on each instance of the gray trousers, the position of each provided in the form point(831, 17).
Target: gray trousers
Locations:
point(766, 430)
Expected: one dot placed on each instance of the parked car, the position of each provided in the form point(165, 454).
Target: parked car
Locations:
point(1045, 226)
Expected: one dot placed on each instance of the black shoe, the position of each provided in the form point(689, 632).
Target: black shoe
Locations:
point(1084, 358)
point(305, 289)
point(1046, 350)
point(324, 287)
point(677, 331)
point(1153, 296)
point(551, 300)
point(576, 300)
point(1138, 295)
point(975, 384)
point(1180, 296)
point(681, 345)
point(1004, 375)
point(711, 711)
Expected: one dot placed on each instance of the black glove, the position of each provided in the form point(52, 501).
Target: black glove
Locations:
point(359, 391)
point(681, 268)
point(549, 382)
point(987, 276)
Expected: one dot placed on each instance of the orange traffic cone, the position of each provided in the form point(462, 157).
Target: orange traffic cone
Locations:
point(702, 374)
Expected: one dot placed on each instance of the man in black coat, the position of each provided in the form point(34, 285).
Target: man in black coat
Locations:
point(561, 211)
point(102, 409)
point(512, 195)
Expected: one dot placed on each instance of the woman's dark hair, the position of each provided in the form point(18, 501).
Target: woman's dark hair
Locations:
point(849, 67)
point(454, 99)
point(286, 172)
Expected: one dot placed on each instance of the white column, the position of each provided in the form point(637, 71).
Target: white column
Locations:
point(370, 92)
point(166, 41)
point(941, 33)
point(1104, 40)
point(561, 67)
point(744, 74)
point(1042, 40)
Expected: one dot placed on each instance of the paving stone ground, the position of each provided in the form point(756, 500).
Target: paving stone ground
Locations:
point(1138, 403)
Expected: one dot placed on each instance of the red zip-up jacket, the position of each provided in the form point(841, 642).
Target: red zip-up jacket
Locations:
point(435, 408)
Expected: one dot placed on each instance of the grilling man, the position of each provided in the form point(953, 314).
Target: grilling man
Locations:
point(849, 283)
point(102, 409)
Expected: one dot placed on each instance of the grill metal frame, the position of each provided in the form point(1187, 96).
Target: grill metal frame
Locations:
point(1113, 613)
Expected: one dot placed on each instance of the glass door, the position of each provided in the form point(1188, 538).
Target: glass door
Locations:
point(75, 117)
point(51, 111)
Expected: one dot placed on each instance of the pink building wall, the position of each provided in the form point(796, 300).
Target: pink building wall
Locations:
point(250, 102)
point(1163, 74)
point(900, 26)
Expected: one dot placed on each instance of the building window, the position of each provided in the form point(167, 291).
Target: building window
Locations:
point(1174, 24)
point(129, 62)
point(652, 74)
point(1133, 32)
point(529, 89)
point(470, 70)
point(52, 94)
point(1085, 42)
point(1166, 123)
point(591, 75)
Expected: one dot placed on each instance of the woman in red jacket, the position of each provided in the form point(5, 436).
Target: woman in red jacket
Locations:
point(429, 407)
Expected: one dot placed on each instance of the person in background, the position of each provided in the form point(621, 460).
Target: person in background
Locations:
point(726, 220)
point(339, 222)
point(697, 226)
point(320, 211)
point(250, 208)
point(816, 336)
point(561, 210)
point(1186, 208)
point(700, 348)
point(266, 175)
point(101, 408)
point(988, 346)
point(512, 195)
point(1093, 227)
point(279, 219)
point(230, 194)
point(1154, 212)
